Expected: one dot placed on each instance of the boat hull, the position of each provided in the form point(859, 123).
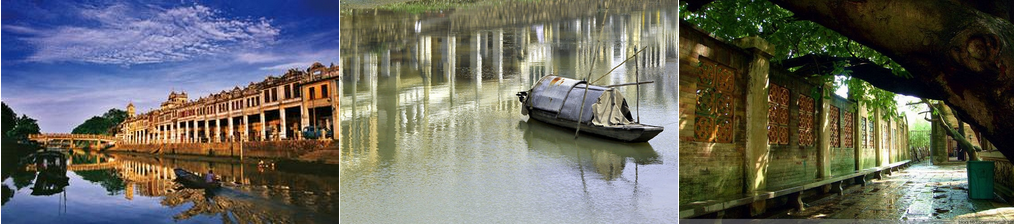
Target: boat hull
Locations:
point(626, 133)
point(191, 180)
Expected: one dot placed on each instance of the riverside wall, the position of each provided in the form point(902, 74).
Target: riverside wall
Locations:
point(305, 150)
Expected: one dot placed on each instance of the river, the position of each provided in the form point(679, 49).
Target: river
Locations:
point(431, 129)
point(136, 188)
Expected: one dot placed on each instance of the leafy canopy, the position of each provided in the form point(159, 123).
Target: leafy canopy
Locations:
point(105, 124)
point(732, 19)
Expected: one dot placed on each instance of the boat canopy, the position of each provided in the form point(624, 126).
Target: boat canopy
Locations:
point(602, 106)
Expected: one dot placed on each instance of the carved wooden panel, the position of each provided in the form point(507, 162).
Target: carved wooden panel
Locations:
point(778, 115)
point(715, 103)
point(848, 128)
point(806, 114)
point(835, 117)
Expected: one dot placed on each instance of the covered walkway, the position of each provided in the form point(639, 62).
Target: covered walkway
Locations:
point(921, 192)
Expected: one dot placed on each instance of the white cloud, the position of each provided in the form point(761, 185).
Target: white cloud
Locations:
point(168, 35)
point(257, 58)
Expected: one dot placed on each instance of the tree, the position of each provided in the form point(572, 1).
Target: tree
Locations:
point(8, 119)
point(104, 125)
point(960, 52)
point(17, 129)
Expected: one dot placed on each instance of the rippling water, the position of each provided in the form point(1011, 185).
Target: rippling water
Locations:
point(432, 132)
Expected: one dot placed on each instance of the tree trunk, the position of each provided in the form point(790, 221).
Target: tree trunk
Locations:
point(958, 135)
point(954, 50)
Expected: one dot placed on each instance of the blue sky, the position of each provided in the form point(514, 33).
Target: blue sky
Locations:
point(63, 62)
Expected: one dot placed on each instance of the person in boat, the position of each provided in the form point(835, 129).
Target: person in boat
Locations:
point(210, 177)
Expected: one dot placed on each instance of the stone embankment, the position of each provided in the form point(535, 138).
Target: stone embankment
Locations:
point(303, 150)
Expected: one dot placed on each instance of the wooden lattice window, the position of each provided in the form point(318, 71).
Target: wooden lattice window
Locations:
point(806, 114)
point(835, 117)
point(778, 115)
point(887, 136)
point(715, 87)
point(848, 128)
point(872, 141)
point(866, 140)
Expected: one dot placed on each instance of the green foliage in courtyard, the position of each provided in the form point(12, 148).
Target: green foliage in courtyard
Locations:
point(105, 124)
point(732, 19)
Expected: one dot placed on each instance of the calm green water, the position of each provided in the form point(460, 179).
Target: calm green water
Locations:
point(124, 188)
point(432, 131)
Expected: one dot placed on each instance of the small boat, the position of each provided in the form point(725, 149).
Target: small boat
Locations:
point(192, 180)
point(598, 110)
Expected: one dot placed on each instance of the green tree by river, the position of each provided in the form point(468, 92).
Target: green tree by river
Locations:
point(105, 124)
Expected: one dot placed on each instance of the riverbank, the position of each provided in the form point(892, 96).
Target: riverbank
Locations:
point(319, 151)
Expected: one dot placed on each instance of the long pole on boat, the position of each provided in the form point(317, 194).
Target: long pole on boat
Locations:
point(617, 66)
point(595, 58)
point(637, 89)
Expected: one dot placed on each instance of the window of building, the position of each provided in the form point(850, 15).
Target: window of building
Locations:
point(778, 115)
point(848, 128)
point(274, 94)
point(288, 92)
point(866, 140)
point(323, 91)
point(714, 110)
point(806, 115)
point(834, 117)
point(296, 93)
point(312, 93)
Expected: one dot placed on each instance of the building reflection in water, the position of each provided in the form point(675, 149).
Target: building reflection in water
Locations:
point(392, 106)
point(250, 195)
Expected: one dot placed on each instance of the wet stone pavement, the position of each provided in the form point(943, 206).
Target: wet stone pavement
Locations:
point(921, 192)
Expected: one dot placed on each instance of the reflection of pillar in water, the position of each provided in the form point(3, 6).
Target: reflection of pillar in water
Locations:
point(385, 64)
point(498, 53)
point(370, 73)
point(129, 192)
point(477, 58)
point(425, 51)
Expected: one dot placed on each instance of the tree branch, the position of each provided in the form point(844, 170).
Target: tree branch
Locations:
point(864, 69)
point(973, 156)
point(696, 5)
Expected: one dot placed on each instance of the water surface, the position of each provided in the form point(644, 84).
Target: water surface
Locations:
point(431, 130)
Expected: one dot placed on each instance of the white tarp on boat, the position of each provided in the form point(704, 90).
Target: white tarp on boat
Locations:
point(564, 96)
point(611, 109)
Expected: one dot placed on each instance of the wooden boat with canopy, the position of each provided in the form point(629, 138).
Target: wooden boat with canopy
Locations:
point(596, 110)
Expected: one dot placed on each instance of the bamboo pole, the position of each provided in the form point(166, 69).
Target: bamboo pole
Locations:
point(637, 90)
point(580, 111)
point(630, 84)
point(617, 66)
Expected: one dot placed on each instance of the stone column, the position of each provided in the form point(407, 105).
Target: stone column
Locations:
point(281, 131)
point(824, 139)
point(231, 129)
point(878, 137)
point(246, 128)
point(207, 129)
point(823, 142)
point(263, 127)
point(757, 148)
point(938, 143)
